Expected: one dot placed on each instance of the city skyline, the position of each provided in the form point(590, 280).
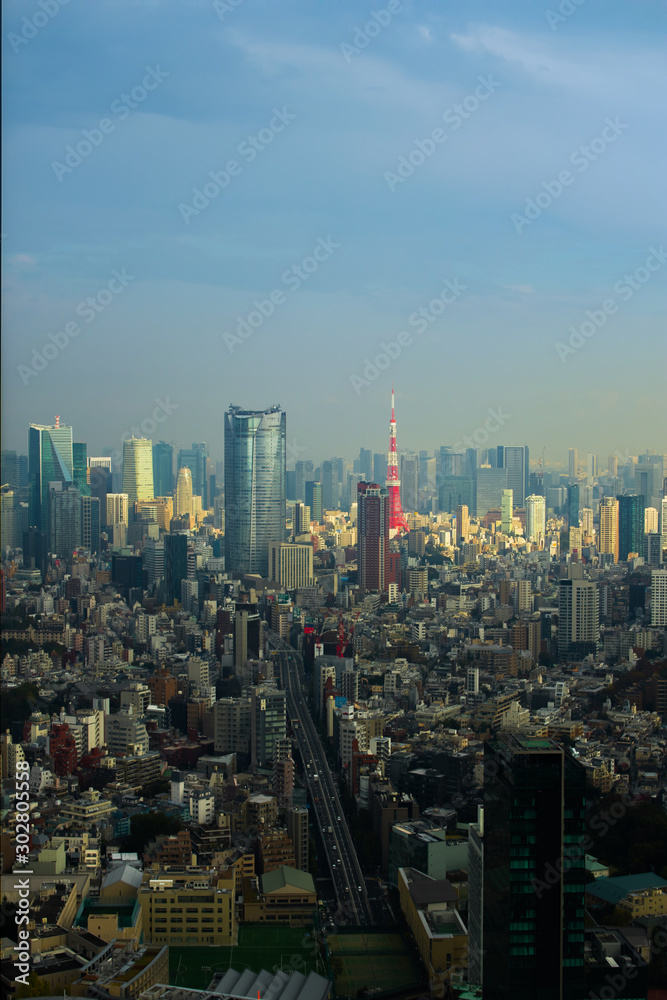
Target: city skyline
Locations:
point(345, 232)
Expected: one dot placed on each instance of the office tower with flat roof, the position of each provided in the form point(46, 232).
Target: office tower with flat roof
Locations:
point(573, 506)
point(366, 464)
point(303, 471)
point(314, 500)
point(608, 541)
point(117, 508)
point(578, 618)
point(163, 469)
point(506, 511)
point(50, 459)
point(11, 534)
point(379, 467)
point(10, 469)
point(490, 484)
point(138, 469)
point(184, 493)
point(410, 482)
point(373, 514)
point(454, 491)
point(297, 831)
point(515, 461)
point(255, 508)
point(534, 874)
point(301, 519)
point(268, 724)
point(291, 564)
point(630, 525)
point(65, 524)
point(175, 566)
point(536, 519)
point(612, 466)
point(573, 463)
point(330, 484)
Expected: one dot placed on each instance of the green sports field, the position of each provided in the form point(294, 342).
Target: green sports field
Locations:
point(379, 961)
point(259, 948)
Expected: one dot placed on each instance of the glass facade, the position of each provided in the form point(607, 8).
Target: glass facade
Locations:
point(573, 506)
point(630, 525)
point(163, 469)
point(534, 819)
point(50, 460)
point(255, 508)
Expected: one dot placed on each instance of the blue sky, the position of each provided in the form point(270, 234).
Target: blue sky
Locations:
point(327, 171)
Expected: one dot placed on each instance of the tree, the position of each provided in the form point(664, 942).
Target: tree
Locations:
point(36, 987)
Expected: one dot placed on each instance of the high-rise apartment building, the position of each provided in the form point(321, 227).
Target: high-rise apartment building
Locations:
point(650, 521)
point(291, 564)
point(255, 509)
point(506, 511)
point(462, 524)
point(536, 519)
point(630, 525)
point(297, 830)
point(578, 618)
point(117, 508)
point(138, 469)
point(163, 469)
point(268, 724)
point(301, 519)
point(184, 493)
point(534, 874)
point(608, 542)
point(50, 459)
point(372, 536)
point(659, 598)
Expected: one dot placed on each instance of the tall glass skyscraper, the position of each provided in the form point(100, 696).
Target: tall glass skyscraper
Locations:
point(630, 525)
point(50, 460)
point(255, 446)
point(573, 505)
point(194, 459)
point(163, 469)
point(534, 875)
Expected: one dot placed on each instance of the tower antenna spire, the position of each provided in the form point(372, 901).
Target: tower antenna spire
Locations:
point(397, 518)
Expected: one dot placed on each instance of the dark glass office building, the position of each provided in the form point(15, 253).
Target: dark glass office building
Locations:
point(573, 506)
point(175, 566)
point(255, 446)
point(50, 459)
point(163, 469)
point(630, 525)
point(314, 500)
point(534, 822)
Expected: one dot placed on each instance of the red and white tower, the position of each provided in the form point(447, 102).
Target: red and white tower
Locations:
point(396, 516)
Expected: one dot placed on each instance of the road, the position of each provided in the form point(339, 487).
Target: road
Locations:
point(348, 881)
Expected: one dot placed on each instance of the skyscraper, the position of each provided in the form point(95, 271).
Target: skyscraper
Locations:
point(578, 618)
point(506, 511)
point(175, 566)
point(65, 524)
point(90, 523)
point(50, 459)
point(573, 463)
point(462, 524)
point(534, 876)
point(255, 443)
point(630, 525)
point(80, 468)
point(573, 506)
point(659, 598)
point(373, 514)
point(303, 471)
point(330, 486)
point(138, 469)
point(609, 527)
point(489, 488)
point(515, 460)
point(117, 508)
point(535, 519)
point(195, 459)
point(184, 493)
point(163, 469)
point(314, 500)
point(410, 482)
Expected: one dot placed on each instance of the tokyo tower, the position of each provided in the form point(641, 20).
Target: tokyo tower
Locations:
point(396, 515)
